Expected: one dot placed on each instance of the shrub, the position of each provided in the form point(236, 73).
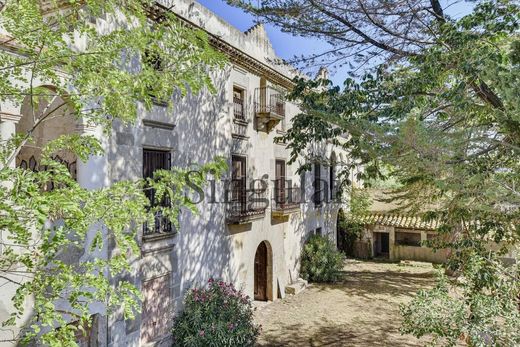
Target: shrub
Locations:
point(320, 261)
point(218, 315)
point(349, 231)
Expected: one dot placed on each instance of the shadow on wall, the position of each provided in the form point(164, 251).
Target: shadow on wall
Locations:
point(304, 225)
point(52, 117)
point(203, 130)
point(202, 248)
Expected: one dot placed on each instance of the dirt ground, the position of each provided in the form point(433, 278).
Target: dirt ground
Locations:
point(361, 311)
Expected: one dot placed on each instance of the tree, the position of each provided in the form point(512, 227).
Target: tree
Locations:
point(359, 33)
point(442, 112)
point(102, 58)
point(350, 225)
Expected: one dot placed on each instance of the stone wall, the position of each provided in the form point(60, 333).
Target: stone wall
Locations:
point(404, 252)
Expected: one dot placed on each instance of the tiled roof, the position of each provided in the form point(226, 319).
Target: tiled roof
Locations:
point(399, 221)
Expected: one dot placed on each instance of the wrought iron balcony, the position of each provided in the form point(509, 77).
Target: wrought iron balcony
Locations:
point(269, 107)
point(244, 205)
point(286, 200)
point(162, 225)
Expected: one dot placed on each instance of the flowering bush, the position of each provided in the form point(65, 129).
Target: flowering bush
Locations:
point(218, 315)
point(321, 262)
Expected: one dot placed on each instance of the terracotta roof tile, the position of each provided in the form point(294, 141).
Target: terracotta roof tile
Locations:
point(400, 221)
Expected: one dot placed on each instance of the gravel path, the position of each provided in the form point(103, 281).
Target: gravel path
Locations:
point(361, 311)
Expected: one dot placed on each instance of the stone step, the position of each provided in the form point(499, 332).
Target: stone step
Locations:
point(296, 287)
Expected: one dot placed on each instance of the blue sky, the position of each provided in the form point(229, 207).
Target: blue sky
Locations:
point(286, 45)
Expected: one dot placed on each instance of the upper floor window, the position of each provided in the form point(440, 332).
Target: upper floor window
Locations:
point(153, 60)
point(154, 160)
point(60, 122)
point(318, 189)
point(238, 180)
point(239, 110)
point(279, 183)
point(332, 176)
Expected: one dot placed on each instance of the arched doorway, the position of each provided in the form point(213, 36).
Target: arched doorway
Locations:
point(263, 273)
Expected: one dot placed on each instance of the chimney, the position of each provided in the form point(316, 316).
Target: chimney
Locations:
point(323, 74)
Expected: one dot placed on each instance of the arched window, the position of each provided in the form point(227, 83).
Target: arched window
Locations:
point(53, 115)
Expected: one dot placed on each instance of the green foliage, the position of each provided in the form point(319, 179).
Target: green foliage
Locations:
point(483, 311)
point(54, 241)
point(441, 118)
point(350, 226)
point(218, 315)
point(108, 59)
point(360, 203)
point(320, 261)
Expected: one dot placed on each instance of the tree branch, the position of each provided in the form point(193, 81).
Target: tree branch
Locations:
point(362, 34)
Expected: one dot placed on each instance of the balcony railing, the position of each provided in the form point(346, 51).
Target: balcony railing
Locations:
point(269, 100)
point(238, 109)
point(286, 200)
point(269, 107)
point(245, 204)
point(161, 225)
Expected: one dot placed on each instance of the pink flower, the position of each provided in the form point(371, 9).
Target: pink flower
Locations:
point(202, 333)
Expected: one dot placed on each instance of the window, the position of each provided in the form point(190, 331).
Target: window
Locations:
point(332, 176)
point(279, 183)
point(303, 185)
point(318, 231)
point(33, 165)
point(153, 60)
point(238, 181)
point(239, 104)
point(318, 193)
point(408, 239)
point(154, 160)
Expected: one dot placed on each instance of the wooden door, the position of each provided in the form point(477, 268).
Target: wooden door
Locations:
point(260, 285)
point(156, 309)
point(385, 243)
point(280, 182)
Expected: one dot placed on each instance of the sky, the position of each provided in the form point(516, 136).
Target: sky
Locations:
point(287, 46)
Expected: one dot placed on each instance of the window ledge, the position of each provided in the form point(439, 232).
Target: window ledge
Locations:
point(240, 137)
point(240, 121)
point(159, 102)
point(158, 236)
